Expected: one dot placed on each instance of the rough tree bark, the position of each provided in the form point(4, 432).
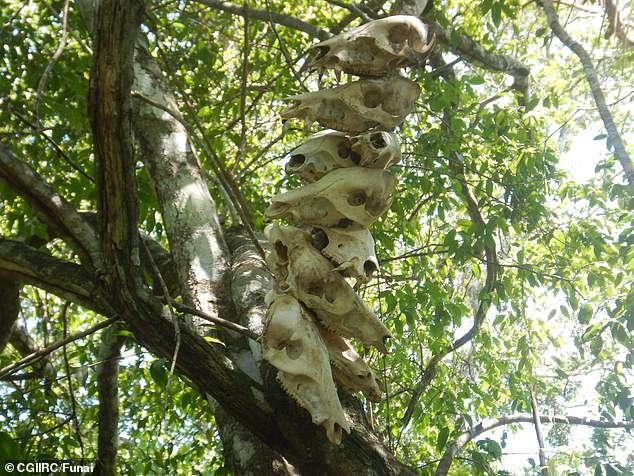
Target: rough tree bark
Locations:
point(108, 388)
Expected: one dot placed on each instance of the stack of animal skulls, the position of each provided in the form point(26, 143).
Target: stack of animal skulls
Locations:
point(313, 308)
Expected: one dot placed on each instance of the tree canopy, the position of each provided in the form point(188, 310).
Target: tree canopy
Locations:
point(141, 142)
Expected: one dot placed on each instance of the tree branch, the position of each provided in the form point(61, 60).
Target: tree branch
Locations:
point(189, 213)
point(108, 388)
point(25, 345)
point(29, 359)
point(62, 278)
point(461, 441)
point(472, 51)
point(614, 137)
point(616, 25)
point(9, 308)
point(543, 463)
point(52, 207)
point(116, 26)
point(267, 16)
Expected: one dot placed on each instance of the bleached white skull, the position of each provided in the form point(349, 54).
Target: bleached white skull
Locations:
point(353, 194)
point(293, 344)
point(358, 106)
point(312, 280)
point(319, 154)
point(350, 249)
point(348, 367)
point(376, 149)
point(376, 48)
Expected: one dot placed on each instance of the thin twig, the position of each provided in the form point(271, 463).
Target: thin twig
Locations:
point(51, 64)
point(71, 391)
point(29, 359)
point(216, 320)
point(177, 329)
point(543, 464)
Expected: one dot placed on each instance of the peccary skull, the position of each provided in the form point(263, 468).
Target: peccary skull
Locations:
point(354, 194)
point(311, 279)
point(350, 249)
point(376, 149)
point(292, 343)
point(376, 48)
point(348, 367)
point(321, 153)
point(358, 106)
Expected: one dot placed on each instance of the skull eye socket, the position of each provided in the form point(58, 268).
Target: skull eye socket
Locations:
point(333, 109)
point(357, 198)
point(372, 98)
point(398, 34)
point(297, 160)
point(378, 141)
point(343, 150)
point(344, 223)
point(369, 268)
point(320, 239)
point(315, 289)
point(330, 297)
point(295, 349)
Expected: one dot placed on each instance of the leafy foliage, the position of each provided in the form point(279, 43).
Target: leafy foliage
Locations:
point(561, 312)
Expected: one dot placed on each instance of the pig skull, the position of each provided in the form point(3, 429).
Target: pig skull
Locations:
point(292, 343)
point(312, 280)
point(319, 154)
point(357, 106)
point(376, 48)
point(349, 195)
point(350, 249)
point(348, 367)
point(376, 149)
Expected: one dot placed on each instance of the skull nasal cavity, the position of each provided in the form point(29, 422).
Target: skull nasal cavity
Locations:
point(281, 250)
point(322, 51)
point(356, 198)
point(372, 98)
point(377, 140)
point(297, 160)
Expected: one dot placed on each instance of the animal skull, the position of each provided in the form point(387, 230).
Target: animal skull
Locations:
point(312, 280)
point(357, 106)
point(292, 343)
point(348, 367)
point(376, 48)
point(354, 194)
point(321, 153)
point(350, 249)
point(376, 149)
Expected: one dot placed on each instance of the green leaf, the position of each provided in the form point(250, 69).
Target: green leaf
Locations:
point(596, 345)
point(585, 314)
point(441, 441)
point(9, 449)
point(159, 372)
point(496, 13)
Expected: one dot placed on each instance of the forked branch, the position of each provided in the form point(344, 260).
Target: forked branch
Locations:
point(461, 441)
point(593, 81)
